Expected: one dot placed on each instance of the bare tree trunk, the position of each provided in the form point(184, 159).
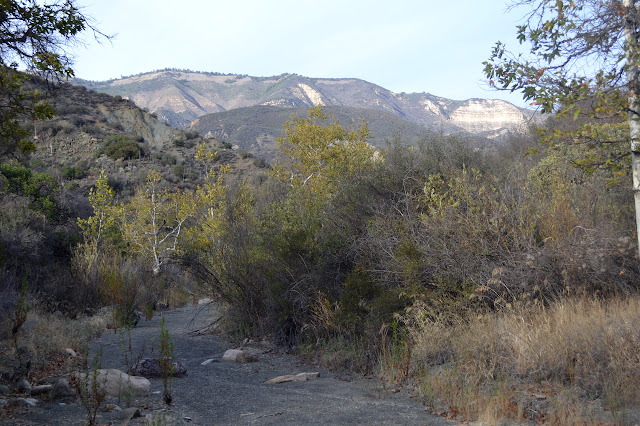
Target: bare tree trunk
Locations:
point(633, 74)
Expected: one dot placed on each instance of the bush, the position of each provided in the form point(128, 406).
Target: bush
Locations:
point(120, 147)
point(71, 173)
point(178, 171)
point(260, 163)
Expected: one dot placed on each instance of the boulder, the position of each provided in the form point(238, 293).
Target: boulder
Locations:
point(61, 389)
point(231, 355)
point(130, 413)
point(23, 386)
point(116, 384)
point(151, 367)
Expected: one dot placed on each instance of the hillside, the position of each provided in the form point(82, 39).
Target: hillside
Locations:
point(255, 129)
point(86, 121)
point(179, 97)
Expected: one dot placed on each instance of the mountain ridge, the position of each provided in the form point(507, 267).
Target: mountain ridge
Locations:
point(180, 96)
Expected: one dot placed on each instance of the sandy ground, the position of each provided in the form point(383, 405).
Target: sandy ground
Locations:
point(233, 393)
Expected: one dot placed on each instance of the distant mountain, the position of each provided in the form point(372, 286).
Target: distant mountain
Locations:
point(255, 129)
point(179, 97)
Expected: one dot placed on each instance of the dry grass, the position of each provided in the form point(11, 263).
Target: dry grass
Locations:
point(557, 364)
point(46, 336)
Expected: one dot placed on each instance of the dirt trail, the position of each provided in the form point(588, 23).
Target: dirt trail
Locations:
point(233, 393)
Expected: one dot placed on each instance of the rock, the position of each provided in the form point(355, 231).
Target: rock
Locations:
point(39, 390)
point(244, 358)
point(209, 361)
point(151, 367)
point(110, 407)
point(130, 413)
point(3, 402)
point(116, 383)
point(61, 389)
point(231, 355)
point(71, 352)
point(26, 402)
point(301, 377)
point(204, 301)
point(23, 386)
point(24, 353)
point(4, 390)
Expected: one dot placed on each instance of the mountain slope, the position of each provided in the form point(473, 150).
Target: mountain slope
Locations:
point(179, 97)
point(255, 129)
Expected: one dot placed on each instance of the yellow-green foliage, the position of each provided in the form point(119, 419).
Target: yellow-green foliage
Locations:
point(152, 221)
point(322, 153)
point(105, 213)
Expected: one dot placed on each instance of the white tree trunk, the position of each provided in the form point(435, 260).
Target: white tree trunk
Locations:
point(633, 74)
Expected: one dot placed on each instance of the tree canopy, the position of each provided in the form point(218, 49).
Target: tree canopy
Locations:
point(582, 63)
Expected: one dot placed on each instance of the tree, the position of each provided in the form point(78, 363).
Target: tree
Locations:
point(153, 221)
point(105, 213)
point(33, 36)
point(583, 63)
point(322, 153)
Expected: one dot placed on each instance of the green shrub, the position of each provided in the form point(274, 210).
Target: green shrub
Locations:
point(40, 188)
point(71, 173)
point(120, 147)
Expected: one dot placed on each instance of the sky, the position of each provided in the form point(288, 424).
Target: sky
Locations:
point(432, 46)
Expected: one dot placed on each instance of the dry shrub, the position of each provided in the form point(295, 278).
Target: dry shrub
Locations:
point(544, 363)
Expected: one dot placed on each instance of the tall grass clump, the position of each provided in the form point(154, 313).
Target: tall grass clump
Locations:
point(531, 361)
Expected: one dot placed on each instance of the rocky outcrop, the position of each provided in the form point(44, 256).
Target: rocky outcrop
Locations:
point(135, 121)
point(487, 115)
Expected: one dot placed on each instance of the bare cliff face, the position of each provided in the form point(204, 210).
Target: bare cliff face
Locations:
point(479, 115)
point(179, 97)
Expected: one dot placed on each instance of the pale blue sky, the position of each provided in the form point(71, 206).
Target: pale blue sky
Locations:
point(430, 46)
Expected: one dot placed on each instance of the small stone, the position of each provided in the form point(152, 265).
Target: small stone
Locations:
point(71, 352)
point(26, 402)
point(204, 301)
point(231, 355)
point(23, 386)
point(4, 390)
point(61, 389)
point(301, 377)
point(3, 402)
point(110, 407)
point(39, 390)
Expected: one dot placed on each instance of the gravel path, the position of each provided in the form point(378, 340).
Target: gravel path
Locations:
point(234, 393)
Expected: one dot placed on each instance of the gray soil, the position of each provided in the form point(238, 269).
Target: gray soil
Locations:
point(234, 393)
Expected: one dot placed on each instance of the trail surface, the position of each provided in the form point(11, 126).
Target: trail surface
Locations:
point(235, 393)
